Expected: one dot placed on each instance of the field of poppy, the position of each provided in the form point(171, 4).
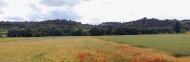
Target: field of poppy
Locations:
point(79, 49)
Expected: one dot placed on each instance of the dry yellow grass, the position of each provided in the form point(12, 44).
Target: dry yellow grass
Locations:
point(77, 49)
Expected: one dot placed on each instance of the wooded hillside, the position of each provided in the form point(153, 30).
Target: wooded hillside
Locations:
point(59, 27)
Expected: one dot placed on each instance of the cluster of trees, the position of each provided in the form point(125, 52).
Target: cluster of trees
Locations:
point(71, 28)
point(2, 32)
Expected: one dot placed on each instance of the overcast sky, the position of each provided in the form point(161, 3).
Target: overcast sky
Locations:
point(93, 11)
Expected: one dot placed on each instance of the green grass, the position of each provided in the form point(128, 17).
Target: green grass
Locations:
point(176, 44)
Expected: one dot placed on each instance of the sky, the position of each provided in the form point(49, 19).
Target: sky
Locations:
point(93, 11)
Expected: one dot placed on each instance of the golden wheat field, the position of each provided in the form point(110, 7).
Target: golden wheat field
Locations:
point(77, 49)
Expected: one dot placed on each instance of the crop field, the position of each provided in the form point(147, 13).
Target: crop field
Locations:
point(138, 48)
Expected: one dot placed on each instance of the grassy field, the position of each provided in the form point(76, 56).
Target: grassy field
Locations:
point(92, 49)
point(176, 44)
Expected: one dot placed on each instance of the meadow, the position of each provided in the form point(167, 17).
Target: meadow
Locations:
point(127, 48)
point(177, 45)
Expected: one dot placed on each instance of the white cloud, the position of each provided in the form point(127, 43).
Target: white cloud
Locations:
point(2, 5)
point(126, 10)
point(17, 8)
point(62, 14)
point(60, 2)
point(95, 11)
point(35, 11)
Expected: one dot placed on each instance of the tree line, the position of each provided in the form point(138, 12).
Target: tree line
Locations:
point(62, 27)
